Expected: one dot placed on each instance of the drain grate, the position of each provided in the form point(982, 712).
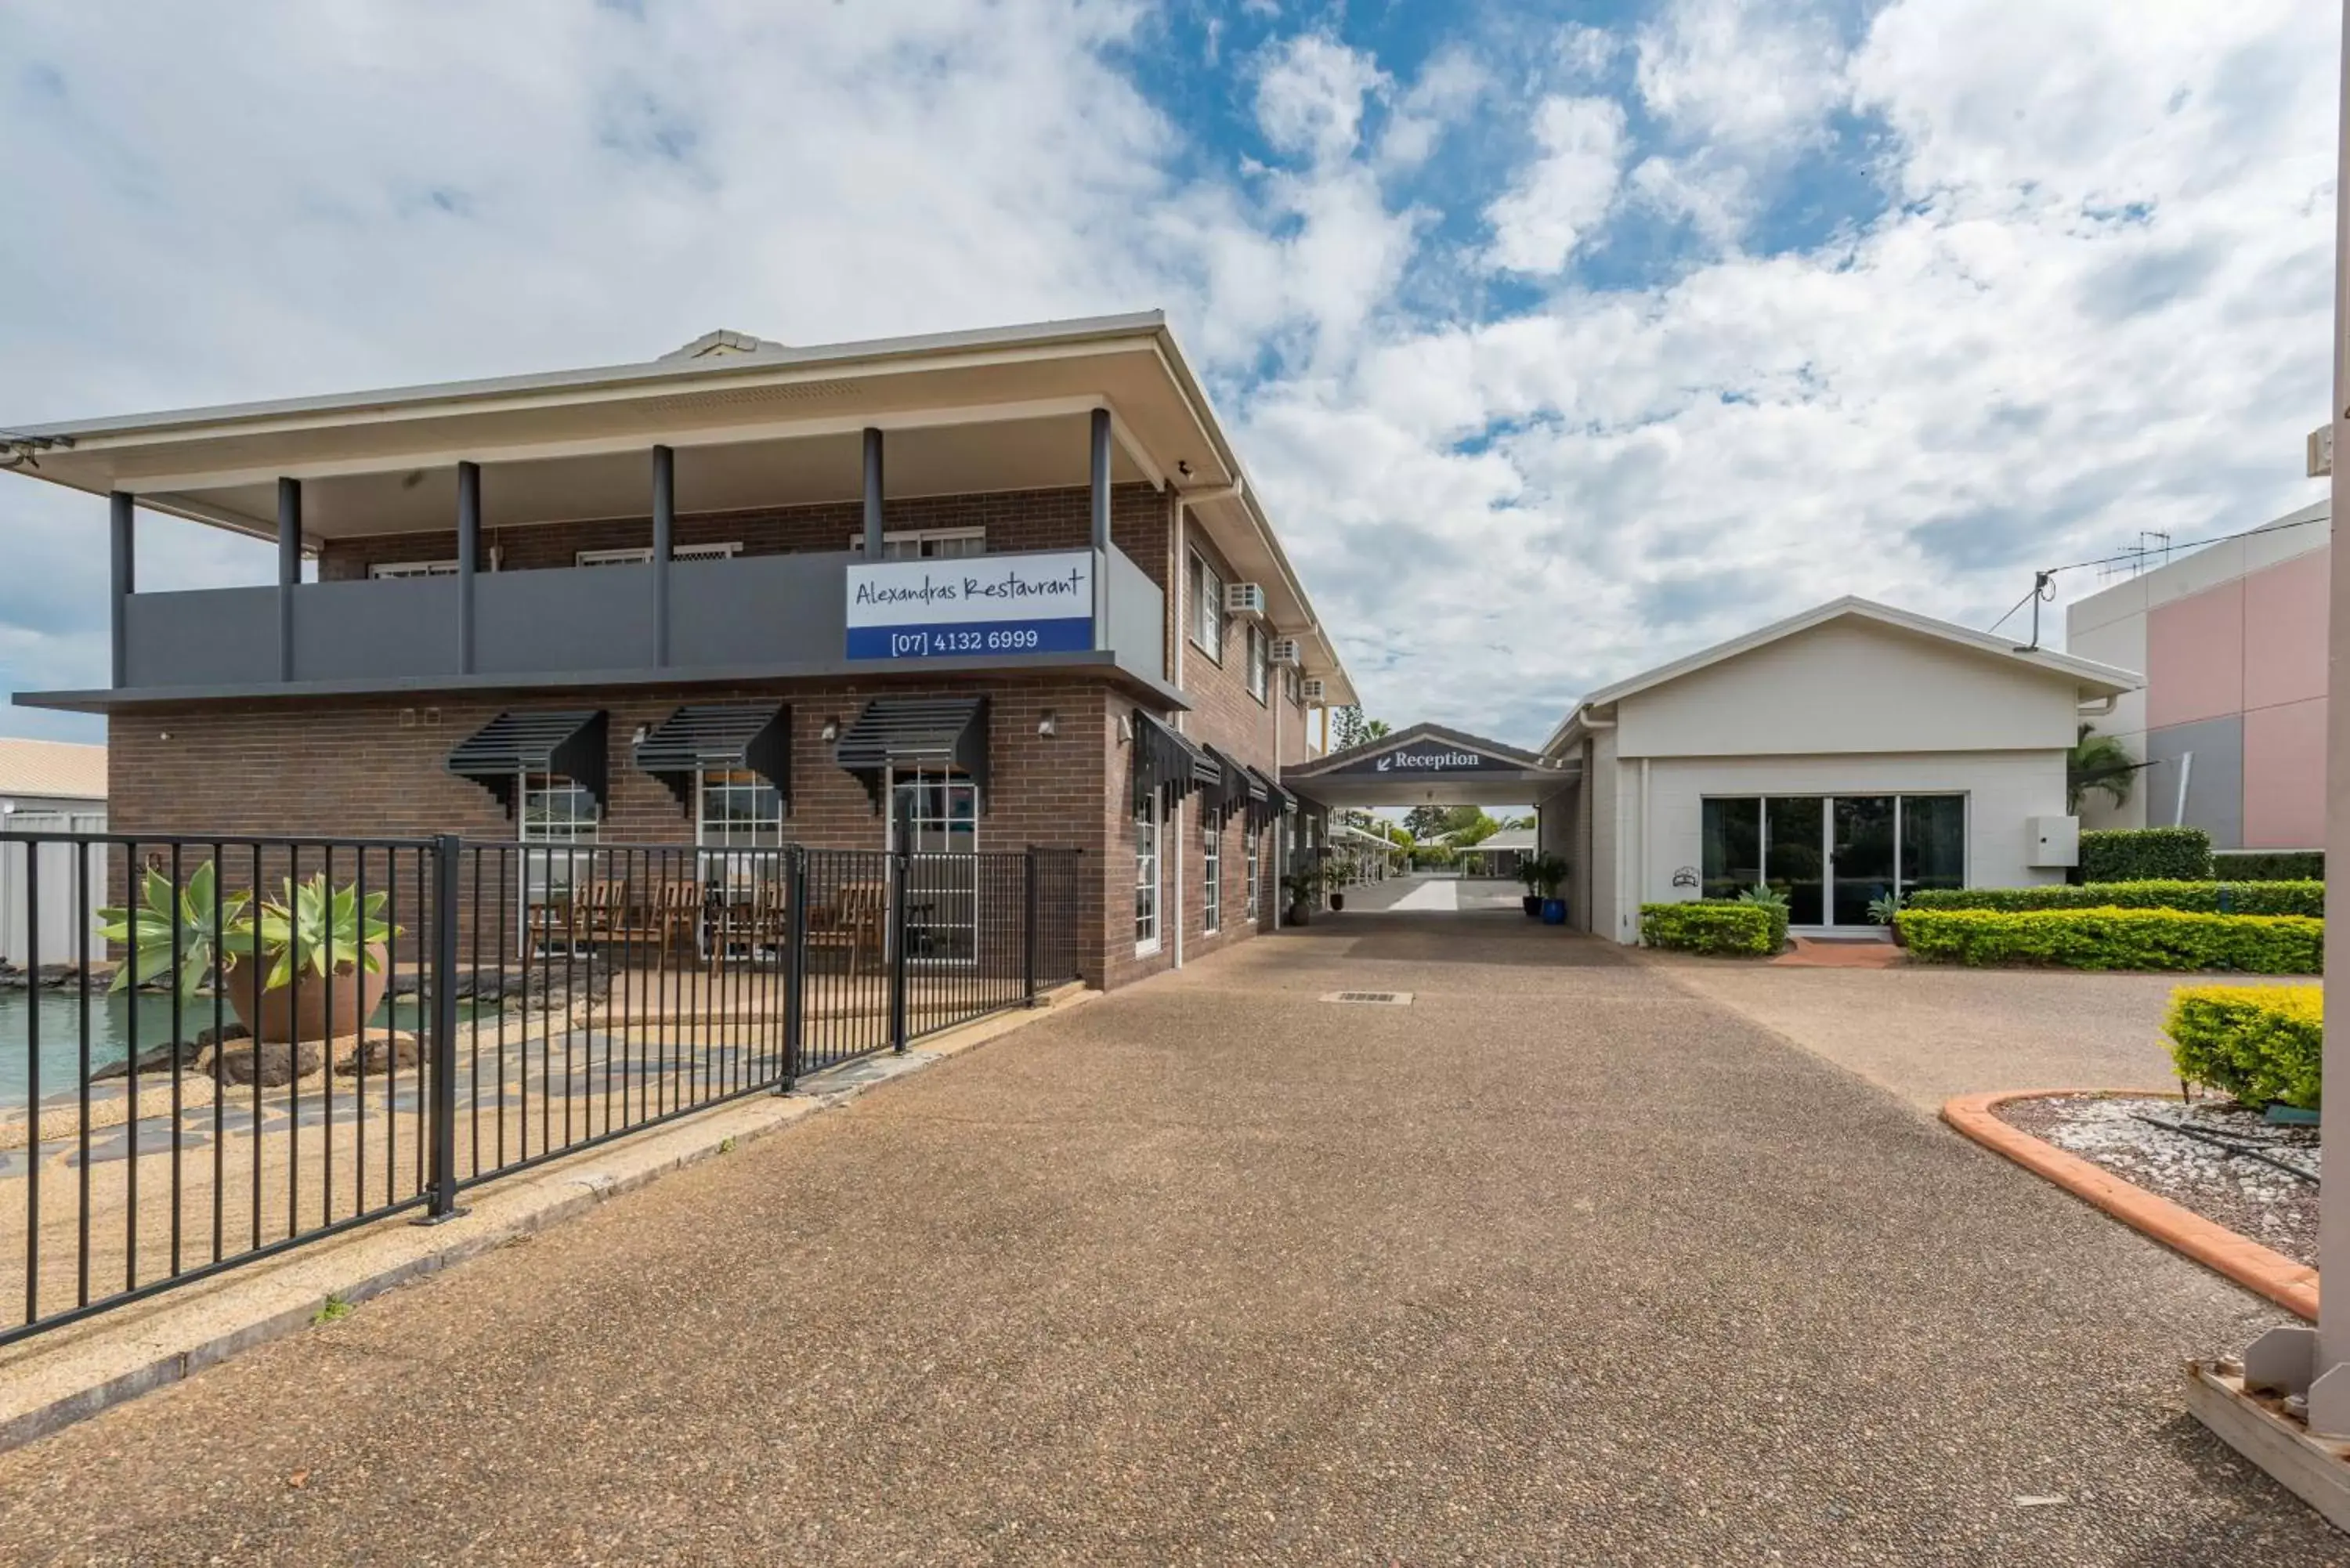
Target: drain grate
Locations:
point(1371, 998)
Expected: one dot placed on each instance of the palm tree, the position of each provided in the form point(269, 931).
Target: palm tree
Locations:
point(1374, 728)
point(2098, 762)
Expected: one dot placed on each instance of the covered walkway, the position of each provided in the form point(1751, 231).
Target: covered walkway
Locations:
point(1560, 1262)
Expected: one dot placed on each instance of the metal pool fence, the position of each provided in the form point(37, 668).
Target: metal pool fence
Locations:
point(433, 1013)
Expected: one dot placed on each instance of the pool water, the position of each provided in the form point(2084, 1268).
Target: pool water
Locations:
point(111, 1017)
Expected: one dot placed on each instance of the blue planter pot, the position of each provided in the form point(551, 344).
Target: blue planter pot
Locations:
point(1554, 911)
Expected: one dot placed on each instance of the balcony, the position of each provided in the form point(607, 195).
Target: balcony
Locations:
point(749, 617)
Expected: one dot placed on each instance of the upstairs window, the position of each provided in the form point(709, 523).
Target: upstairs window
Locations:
point(925, 544)
point(642, 556)
point(1259, 662)
point(381, 569)
point(1206, 594)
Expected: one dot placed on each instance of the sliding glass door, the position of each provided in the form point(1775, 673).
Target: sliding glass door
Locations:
point(1831, 856)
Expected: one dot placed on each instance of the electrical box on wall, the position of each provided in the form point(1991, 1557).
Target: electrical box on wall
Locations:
point(2053, 841)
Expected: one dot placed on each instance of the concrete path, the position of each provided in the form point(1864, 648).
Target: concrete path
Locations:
point(1562, 1262)
point(1929, 1032)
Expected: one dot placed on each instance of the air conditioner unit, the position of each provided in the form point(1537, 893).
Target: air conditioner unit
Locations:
point(1286, 651)
point(1311, 690)
point(1243, 598)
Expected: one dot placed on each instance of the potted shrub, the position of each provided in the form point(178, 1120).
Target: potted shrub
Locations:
point(1530, 875)
point(1302, 885)
point(1551, 874)
point(298, 936)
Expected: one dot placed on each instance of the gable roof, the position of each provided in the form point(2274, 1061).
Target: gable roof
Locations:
point(2095, 680)
point(1505, 839)
point(63, 770)
point(1396, 738)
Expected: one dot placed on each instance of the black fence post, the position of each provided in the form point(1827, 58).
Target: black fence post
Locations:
point(796, 896)
point(1028, 925)
point(901, 862)
point(441, 976)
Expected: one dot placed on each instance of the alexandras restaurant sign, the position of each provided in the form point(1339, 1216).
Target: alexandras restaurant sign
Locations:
point(962, 608)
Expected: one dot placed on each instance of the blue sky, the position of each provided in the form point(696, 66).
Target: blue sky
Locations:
point(1561, 340)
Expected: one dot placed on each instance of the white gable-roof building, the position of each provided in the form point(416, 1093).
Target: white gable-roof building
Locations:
point(1841, 756)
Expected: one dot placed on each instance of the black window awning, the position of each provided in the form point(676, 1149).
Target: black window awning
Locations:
point(752, 736)
point(1267, 802)
point(909, 733)
point(1167, 764)
point(1230, 792)
point(569, 741)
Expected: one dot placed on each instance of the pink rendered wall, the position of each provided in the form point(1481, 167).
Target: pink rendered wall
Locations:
point(2284, 775)
point(2194, 657)
point(2284, 632)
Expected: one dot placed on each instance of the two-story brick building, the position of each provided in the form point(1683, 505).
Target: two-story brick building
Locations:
point(973, 591)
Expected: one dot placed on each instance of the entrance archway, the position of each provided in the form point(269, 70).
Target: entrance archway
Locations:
point(1433, 764)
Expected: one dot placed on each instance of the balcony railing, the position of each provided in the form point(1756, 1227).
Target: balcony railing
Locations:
point(750, 615)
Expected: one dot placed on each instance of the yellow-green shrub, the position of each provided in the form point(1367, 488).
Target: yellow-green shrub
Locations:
point(2117, 938)
point(1713, 926)
point(2258, 1042)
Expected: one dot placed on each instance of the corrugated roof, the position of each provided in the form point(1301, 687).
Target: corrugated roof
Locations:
point(68, 770)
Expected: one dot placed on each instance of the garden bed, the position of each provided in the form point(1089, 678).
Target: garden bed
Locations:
point(2253, 1199)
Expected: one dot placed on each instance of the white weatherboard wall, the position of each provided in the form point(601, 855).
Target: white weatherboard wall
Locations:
point(1851, 707)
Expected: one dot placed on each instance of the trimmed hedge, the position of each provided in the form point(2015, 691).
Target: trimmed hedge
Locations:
point(2146, 855)
point(2201, 897)
point(2117, 938)
point(1713, 926)
point(2268, 864)
point(2258, 1042)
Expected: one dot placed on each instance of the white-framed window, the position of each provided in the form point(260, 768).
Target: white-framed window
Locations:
point(447, 568)
point(737, 809)
point(1207, 595)
point(1212, 872)
point(934, 817)
point(925, 544)
point(1145, 877)
point(1259, 662)
point(556, 812)
point(1251, 858)
point(642, 556)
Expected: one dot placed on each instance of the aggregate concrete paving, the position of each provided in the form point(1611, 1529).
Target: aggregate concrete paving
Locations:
point(1562, 1262)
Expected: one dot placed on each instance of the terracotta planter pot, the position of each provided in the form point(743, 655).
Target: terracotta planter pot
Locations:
point(287, 1018)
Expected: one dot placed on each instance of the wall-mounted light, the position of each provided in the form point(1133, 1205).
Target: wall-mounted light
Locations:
point(642, 731)
point(1049, 725)
point(1125, 729)
point(831, 730)
point(1183, 467)
point(164, 736)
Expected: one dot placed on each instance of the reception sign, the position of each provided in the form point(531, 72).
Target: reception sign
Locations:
point(971, 608)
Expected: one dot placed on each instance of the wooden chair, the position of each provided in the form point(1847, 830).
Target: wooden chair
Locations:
point(852, 923)
point(604, 915)
point(676, 910)
point(755, 922)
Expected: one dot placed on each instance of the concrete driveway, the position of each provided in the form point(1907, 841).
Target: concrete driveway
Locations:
point(1562, 1262)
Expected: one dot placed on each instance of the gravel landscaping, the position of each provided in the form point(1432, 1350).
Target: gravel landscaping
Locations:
point(2228, 1185)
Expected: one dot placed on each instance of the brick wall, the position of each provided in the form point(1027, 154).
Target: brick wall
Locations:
point(375, 767)
point(1014, 520)
point(1225, 714)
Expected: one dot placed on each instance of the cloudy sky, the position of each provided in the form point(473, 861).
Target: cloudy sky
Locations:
point(1561, 339)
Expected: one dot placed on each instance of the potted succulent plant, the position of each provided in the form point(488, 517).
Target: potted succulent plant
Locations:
point(313, 931)
point(164, 930)
point(1529, 870)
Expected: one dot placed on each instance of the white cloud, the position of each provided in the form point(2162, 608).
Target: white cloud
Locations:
point(2102, 305)
point(1309, 97)
point(1563, 194)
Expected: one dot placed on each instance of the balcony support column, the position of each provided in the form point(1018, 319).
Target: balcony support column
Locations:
point(125, 575)
point(468, 558)
point(873, 529)
point(1098, 473)
point(664, 541)
point(289, 569)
